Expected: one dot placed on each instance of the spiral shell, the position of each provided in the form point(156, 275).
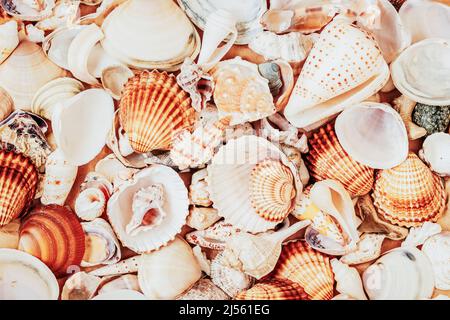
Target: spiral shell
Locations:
point(95, 193)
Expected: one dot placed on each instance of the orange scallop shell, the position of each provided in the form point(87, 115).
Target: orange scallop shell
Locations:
point(153, 108)
point(308, 267)
point(409, 194)
point(328, 160)
point(54, 235)
point(274, 289)
point(18, 183)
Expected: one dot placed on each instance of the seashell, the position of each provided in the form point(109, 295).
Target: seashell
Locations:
point(125, 282)
point(126, 266)
point(148, 211)
point(287, 78)
point(9, 39)
point(368, 249)
point(9, 235)
point(168, 272)
point(53, 234)
point(311, 103)
point(373, 134)
point(202, 260)
point(50, 95)
point(257, 255)
point(25, 71)
point(252, 102)
point(198, 190)
point(384, 280)
point(149, 124)
point(409, 194)
point(214, 237)
point(436, 248)
point(307, 267)
point(6, 104)
point(241, 163)
point(25, 10)
point(34, 34)
point(91, 2)
point(436, 153)
point(99, 60)
point(80, 286)
point(405, 107)
point(343, 296)
point(247, 15)
point(25, 277)
point(418, 235)
point(420, 72)
point(18, 182)
point(102, 246)
point(114, 79)
point(157, 21)
point(112, 169)
point(328, 160)
point(230, 280)
point(120, 295)
point(80, 130)
point(397, 3)
point(294, 155)
point(204, 289)
point(201, 218)
point(64, 14)
point(274, 289)
point(278, 130)
point(59, 178)
point(348, 280)
point(94, 194)
point(56, 44)
point(432, 118)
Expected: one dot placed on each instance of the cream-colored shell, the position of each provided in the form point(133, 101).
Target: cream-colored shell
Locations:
point(348, 280)
point(368, 249)
point(418, 235)
point(9, 39)
point(201, 218)
point(437, 249)
point(198, 190)
point(436, 153)
point(9, 235)
point(125, 282)
point(80, 286)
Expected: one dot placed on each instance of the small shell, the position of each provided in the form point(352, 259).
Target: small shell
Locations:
point(125, 282)
point(80, 286)
point(431, 118)
point(278, 130)
point(436, 153)
point(204, 289)
point(437, 249)
point(405, 108)
point(368, 249)
point(114, 79)
point(201, 218)
point(274, 289)
point(348, 280)
point(94, 194)
point(418, 235)
point(214, 237)
point(198, 190)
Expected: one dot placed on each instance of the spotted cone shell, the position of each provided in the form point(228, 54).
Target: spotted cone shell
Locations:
point(272, 190)
point(18, 183)
point(153, 108)
point(409, 194)
point(328, 160)
point(274, 289)
point(307, 267)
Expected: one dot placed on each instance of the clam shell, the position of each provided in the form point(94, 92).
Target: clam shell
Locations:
point(328, 160)
point(56, 44)
point(204, 289)
point(409, 194)
point(348, 280)
point(274, 289)
point(437, 250)
point(18, 183)
point(53, 234)
point(436, 152)
point(9, 39)
point(153, 108)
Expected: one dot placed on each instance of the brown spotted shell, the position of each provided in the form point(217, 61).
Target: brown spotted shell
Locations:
point(274, 289)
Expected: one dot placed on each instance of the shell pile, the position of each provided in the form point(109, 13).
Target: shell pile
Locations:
point(224, 150)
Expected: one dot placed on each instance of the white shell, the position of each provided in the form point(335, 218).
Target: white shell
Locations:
point(114, 79)
point(80, 286)
point(64, 13)
point(368, 249)
point(421, 72)
point(348, 280)
point(95, 192)
point(99, 60)
point(56, 44)
point(125, 282)
point(9, 39)
point(202, 260)
point(405, 107)
point(198, 190)
point(129, 265)
point(436, 153)
point(213, 237)
point(26, 10)
point(373, 134)
point(204, 289)
point(9, 235)
point(437, 249)
point(418, 235)
point(201, 218)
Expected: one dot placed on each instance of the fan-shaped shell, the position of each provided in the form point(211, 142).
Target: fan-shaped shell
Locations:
point(328, 160)
point(53, 234)
point(274, 289)
point(409, 194)
point(18, 183)
point(153, 108)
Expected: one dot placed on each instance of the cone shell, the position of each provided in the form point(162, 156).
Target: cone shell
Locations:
point(153, 109)
point(53, 234)
point(409, 194)
point(274, 289)
point(18, 183)
point(310, 268)
point(328, 160)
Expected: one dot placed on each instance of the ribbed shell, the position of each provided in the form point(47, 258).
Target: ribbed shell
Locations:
point(53, 234)
point(274, 289)
point(311, 269)
point(18, 183)
point(328, 160)
point(409, 194)
point(272, 190)
point(153, 109)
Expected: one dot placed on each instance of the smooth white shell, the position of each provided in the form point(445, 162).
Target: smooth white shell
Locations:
point(436, 153)
point(437, 249)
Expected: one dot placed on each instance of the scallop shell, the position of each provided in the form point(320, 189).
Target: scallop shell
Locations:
point(18, 183)
point(80, 286)
point(409, 194)
point(9, 39)
point(274, 289)
point(94, 194)
point(214, 237)
point(307, 267)
point(53, 234)
point(28, 10)
point(437, 250)
point(348, 280)
point(204, 289)
point(233, 165)
point(436, 152)
point(253, 100)
point(160, 111)
point(201, 218)
point(328, 160)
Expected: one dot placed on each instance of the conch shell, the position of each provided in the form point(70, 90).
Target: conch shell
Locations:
point(348, 280)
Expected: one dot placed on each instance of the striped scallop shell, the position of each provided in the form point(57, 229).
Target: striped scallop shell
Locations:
point(274, 289)
point(18, 184)
point(409, 194)
point(311, 269)
point(328, 160)
point(153, 108)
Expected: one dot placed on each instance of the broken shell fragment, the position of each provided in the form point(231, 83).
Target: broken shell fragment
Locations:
point(9, 39)
point(80, 286)
point(405, 107)
point(114, 79)
point(201, 218)
point(198, 190)
point(368, 249)
point(432, 118)
point(125, 282)
point(213, 237)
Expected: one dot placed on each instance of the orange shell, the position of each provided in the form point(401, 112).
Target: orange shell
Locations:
point(272, 190)
point(308, 267)
point(409, 194)
point(274, 289)
point(153, 108)
point(18, 183)
point(54, 235)
point(328, 160)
